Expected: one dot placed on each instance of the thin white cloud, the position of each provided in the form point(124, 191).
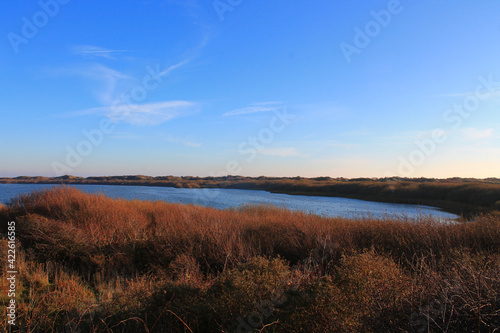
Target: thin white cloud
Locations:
point(105, 81)
point(477, 134)
point(114, 83)
point(281, 152)
point(143, 114)
point(167, 71)
point(182, 141)
point(110, 85)
point(109, 79)
point(90, 51)
point(254, 108)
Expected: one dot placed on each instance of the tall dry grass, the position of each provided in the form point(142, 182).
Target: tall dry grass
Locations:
point(94, 263)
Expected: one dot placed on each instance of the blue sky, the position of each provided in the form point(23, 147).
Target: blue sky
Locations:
point(274, 88)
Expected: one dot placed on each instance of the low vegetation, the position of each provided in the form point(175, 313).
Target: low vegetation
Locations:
point(89, 263)
point(461, 196)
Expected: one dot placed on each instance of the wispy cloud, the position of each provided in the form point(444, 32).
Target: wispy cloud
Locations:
point(113, 87)
point(143, 114)
point(106, 81)
point(247, 110)
point(182, 141)
point(476, 134)
point(114, 83)
point(281, 152)
point(109, 79)
point(109, 86)
point(254, 108)
point(167, 71)
point(90, 51)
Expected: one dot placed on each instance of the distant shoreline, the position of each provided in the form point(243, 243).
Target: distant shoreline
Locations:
point(461, 196)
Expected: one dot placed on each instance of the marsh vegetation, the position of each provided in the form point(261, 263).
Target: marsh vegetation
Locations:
point(91, 263)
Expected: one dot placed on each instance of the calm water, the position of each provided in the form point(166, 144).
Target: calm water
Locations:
point(227, 198)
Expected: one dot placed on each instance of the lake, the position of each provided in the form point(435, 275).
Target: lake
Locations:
point(231, 198)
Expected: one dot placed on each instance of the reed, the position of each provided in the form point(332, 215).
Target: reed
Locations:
point(98, 264)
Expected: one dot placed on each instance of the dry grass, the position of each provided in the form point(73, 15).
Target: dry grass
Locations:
point(98, 264)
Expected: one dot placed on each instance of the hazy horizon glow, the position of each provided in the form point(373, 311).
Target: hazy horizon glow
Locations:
point(283, 88)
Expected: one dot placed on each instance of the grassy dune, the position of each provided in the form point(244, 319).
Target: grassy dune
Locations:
point(88, 263)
